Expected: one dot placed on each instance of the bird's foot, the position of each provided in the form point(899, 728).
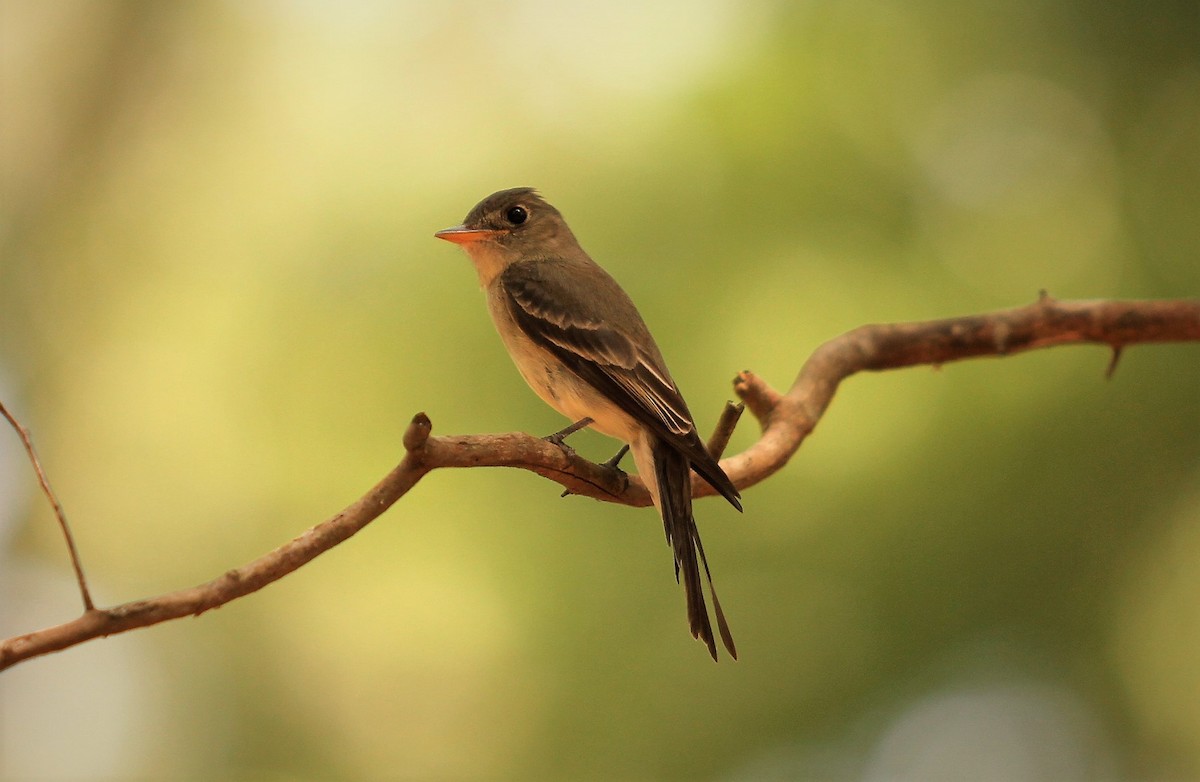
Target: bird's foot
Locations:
point(559, 438)
point(611, 464)
point(615, 462)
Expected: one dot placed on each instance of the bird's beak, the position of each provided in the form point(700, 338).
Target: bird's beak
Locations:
point(460, 234)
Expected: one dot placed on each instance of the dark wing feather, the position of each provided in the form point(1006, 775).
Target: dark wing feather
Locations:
point(575, 324)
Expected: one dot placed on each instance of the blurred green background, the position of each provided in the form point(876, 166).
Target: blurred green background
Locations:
point(221, 302)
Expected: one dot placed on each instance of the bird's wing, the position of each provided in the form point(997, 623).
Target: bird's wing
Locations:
point(571, 320)
point(576, 322)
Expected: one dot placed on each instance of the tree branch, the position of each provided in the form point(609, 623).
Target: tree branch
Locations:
point(61, 515)
point(786, 420)
point(789, 418)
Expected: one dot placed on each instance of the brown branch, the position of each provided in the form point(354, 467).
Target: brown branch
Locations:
point(44, 482)
point(789, 418)
point(730, 415)
point(786, 420)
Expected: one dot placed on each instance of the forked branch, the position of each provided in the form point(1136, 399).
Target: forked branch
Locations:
point(786, 420)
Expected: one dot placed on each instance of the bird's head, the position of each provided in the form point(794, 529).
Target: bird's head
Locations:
point(510, 226)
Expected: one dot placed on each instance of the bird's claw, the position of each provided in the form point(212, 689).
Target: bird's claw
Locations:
point(559, 438)
point(613, 463)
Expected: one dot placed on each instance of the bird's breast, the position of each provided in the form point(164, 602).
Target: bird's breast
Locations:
point(553, 381)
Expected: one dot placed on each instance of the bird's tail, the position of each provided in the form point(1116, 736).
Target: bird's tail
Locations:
point(673, 475)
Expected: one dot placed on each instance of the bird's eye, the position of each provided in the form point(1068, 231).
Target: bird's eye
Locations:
point(516, 215)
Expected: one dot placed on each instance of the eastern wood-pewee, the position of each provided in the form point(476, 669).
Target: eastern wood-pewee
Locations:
point(582, 347)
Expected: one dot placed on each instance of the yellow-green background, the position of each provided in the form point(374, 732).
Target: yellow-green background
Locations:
point(221, 302)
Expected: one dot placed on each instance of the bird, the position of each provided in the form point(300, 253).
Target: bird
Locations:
point(582, 346)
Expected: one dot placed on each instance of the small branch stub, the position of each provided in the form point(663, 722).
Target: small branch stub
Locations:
point(417, 433)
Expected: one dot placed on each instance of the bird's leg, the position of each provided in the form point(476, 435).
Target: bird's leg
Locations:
point(611, 464)
point(559, 438)
point(614, 463)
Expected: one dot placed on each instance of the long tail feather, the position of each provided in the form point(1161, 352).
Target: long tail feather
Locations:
point(673, 475)
point(722, 625)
